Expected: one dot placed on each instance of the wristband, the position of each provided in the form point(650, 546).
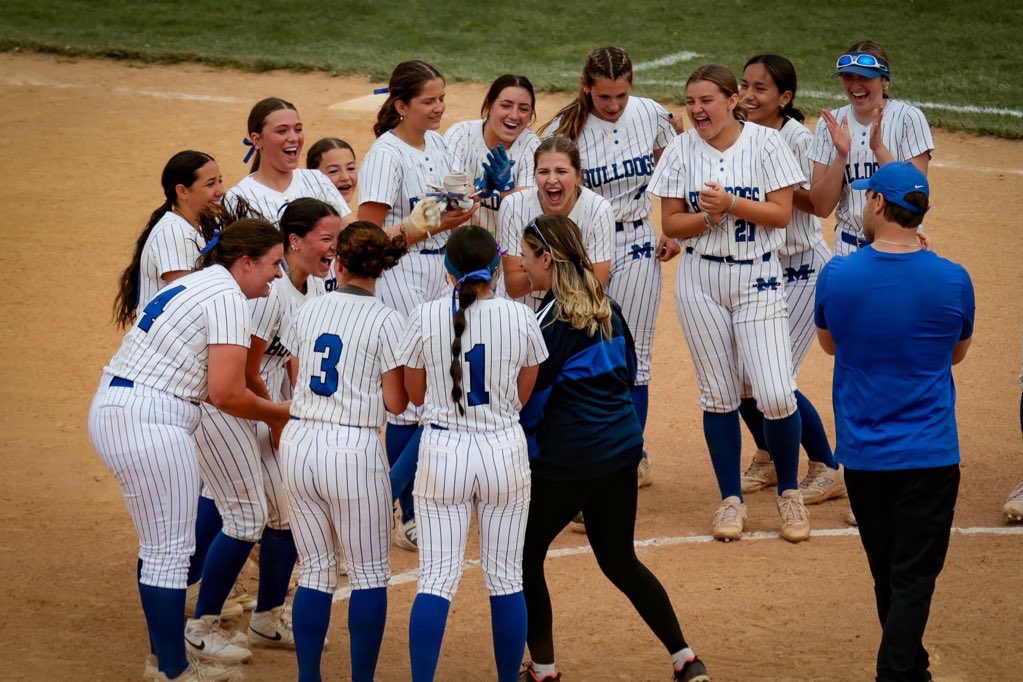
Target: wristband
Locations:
point(706, 220)
point(735, 198)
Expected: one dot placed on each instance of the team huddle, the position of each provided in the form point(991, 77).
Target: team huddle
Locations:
point(474, 339)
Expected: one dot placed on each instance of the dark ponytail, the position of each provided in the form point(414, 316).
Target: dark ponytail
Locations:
point(469, 249)
point(365, 250)
point(181, 169)
point(783, 73)
point(250, 237)
point(407, 81)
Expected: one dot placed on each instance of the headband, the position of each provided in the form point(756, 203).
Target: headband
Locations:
point(483, 274)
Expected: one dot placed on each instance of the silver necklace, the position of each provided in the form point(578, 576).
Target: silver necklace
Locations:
point(905, 246)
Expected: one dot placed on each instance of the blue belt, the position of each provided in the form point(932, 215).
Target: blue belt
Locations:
point(732, 261)
point(434, 252)
point(850, 238)
point(118, 382)
point(294, 418)
point(636, 224)
point(435, 427)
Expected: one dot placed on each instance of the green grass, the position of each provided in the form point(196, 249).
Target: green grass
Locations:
point(961, 53)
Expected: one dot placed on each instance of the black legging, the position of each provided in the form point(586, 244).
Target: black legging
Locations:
point(608, 505)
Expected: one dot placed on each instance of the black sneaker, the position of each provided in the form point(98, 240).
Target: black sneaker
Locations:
point(693, 671)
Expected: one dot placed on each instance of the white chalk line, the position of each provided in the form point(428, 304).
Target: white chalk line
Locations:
point(831, 96)
point(666, 60)
point(28, 81)
point(974, 169)
point(413, 574)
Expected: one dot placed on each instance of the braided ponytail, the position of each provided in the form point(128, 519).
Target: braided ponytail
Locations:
point(466, 297)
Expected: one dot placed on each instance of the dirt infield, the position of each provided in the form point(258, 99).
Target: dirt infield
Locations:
point(86, 142)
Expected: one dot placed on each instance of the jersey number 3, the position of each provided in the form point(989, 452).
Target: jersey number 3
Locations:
point(330, 345)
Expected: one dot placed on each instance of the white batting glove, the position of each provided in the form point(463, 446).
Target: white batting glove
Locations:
point(424, 219)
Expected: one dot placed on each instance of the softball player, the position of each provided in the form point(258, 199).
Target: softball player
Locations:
point(407, 157)
point(471, 361)
point(335, 466)
point(620, 139)
point(768, 87)
point(852, 141)
point(589, 443)
point(335, 158)
point(559, 192)
point(725, 188)
point(508, 109)
point(188, 345)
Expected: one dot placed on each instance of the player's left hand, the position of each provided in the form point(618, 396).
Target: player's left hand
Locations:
point(497, 169)
point(667, 248)
point(452, 218)
point(714, 199)
point(876, 141)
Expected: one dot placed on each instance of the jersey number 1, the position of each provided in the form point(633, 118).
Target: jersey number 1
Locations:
point(330, 345)
point(476, 357)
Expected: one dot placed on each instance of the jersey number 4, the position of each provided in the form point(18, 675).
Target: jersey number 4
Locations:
point(155, 307)
point(326, 384)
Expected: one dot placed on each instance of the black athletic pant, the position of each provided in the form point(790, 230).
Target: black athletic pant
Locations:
point(905, 518)
point(608, 505)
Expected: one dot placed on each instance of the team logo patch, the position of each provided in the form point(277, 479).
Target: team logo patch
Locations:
point(771, 283)
point(803, 273)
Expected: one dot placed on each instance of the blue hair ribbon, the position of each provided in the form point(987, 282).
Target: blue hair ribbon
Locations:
point(211, 244)
point(381, 91)
point(483, 274)
point(252, 150)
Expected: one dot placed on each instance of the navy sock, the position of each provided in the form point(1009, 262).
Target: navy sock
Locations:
point(403, 473)
point(814, 438)
point(783, 442)
point(724, 440)
point(508, 620)
point(138, 577)
point(165, 617)
point(223, 564)
point(397, 438)
point(309, 622)
point(426, 633)
point(754, 419)
point(641, 401)
point(207, 524)
point(367, 615)
point(277, 556)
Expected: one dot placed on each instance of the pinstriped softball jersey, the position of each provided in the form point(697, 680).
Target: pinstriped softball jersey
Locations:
point(173, 245)
point(906, 134)
point(500, 338)
point(733, 314)
point(479, 460)
point(592, 213)
point(336, 471)
point(469, 151)
point(758, 163)
point(167, 348)
point(143, 425)
point(305, 183)
point(618, 161)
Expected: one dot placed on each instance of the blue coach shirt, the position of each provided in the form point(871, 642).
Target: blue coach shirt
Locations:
point(895, 320)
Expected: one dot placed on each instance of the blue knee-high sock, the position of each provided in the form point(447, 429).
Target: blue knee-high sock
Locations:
point(754, 419)
point(367, 615)
point(138, 578)
point(508, 620)
point(207, 524)
point(397, 438)
point(814, 438)
point(403, 470)
point(309, 622)
point(425, 634)
point(277, 556)
point(165, 616)
point(783, 442)
point(223, 564)
point(725, 444)
point(641, 401)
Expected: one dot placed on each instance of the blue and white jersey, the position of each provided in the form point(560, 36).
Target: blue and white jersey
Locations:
point(167, 348)
point(500, 338)
point(758, 163)
point(173, 245)
point(344, 343)
point(904, 131)
point(618, 158)
point(306, 183)
point(469, 150)
point(804, 232)
point(396, 174)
